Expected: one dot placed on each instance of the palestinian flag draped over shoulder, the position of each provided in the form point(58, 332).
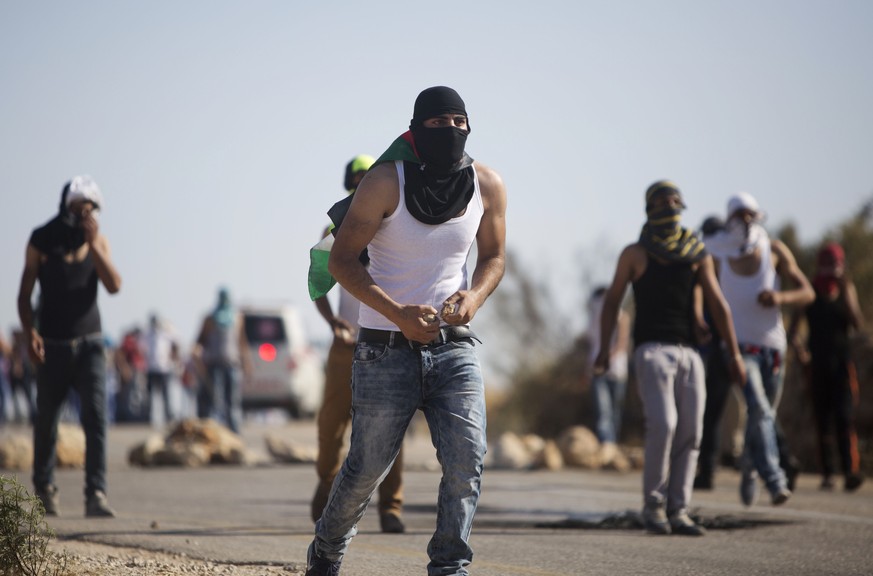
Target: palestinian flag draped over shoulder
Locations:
point(402, 148)
point(320, 280)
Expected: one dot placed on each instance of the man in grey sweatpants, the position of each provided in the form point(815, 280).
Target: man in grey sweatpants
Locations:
point(665, 266)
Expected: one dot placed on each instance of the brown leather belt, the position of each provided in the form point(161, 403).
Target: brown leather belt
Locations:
point(394, 339)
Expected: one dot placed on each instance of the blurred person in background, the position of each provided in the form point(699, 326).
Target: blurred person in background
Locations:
point(335, 415)
point(751, 266)
point(224, 350)
point(5, 352)
point(827, 357)
point(162, 364)
point(130, 364)
point(21, 379)
point(718, 384)
point(664, 266)
point(608, 388)
point(70, 258)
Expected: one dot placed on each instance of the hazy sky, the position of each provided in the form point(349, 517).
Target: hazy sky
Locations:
point(218, 131)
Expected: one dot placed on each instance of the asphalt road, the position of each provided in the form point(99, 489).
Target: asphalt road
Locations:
point(529, 523)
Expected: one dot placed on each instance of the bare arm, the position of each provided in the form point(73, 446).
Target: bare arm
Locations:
point(627, 269)
point(491, 251)
point(339, 326)
point(721, 316)
point(622, 335)
point(105, 268)
point(35, 345)
point(848, 292)
point(794, 339)
point(786, 265)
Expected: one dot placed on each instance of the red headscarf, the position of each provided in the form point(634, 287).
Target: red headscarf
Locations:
point(830, 257)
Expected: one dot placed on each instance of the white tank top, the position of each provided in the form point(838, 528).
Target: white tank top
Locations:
point(754, 324)
point(417, 263)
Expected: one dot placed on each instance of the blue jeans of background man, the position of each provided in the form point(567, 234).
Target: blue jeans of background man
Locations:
point(80, 365)
point(388, 386)
point(608, 394)
point(764, 370)
point(225, 398)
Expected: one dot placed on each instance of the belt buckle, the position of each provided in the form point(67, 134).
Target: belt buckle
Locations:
point(441, 339)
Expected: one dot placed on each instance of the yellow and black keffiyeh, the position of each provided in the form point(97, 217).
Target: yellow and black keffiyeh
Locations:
point(664, 237)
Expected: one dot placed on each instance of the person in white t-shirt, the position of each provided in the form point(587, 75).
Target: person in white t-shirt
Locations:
point(750, 266)
point(162, 361)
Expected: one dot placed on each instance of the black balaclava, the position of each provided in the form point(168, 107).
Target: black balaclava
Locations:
point(439, 148)
point(439, 188)
point(62, 234)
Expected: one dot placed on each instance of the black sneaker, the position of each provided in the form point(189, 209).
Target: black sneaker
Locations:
point(703, 482)
point(318, 566)
point(655, 519)
point(97, 506)
point(792, 471)
point(853, 482)
point(683, 525)
point(50, 499)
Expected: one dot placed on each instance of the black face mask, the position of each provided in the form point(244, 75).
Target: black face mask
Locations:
point(440, 149)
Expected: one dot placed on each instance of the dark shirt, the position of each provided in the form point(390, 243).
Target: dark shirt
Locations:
point(68, 298)
point(664, 297)
point(829, 325)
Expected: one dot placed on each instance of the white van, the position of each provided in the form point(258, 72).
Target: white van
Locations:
point(286, 371)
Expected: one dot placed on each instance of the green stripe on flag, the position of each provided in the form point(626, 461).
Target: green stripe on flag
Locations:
point(320, 280)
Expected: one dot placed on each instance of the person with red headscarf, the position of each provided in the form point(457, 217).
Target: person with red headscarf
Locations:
point(827, 358)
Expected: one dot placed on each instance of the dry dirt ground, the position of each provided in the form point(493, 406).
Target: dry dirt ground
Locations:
point(91, 559)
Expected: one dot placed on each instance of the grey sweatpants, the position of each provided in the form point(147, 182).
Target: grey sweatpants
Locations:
point(671, 382)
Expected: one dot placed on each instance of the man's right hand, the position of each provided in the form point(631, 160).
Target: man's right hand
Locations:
point(419, 323)
point(35, 347)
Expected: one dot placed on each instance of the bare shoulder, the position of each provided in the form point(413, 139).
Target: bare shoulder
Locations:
point(490, 186)
point(489, 180)
point(634, 252)
point(782, 255)
point(102, 241)
point(379, 191)
point(632, 261)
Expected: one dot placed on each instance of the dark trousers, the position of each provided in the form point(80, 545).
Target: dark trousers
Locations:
point(834, 394)
point(718, 387)
point(79, 365)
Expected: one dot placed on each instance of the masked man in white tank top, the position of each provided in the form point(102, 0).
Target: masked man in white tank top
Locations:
point(417, 212)
point(749, 265)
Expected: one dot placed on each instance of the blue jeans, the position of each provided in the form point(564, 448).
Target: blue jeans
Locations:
point(388, 385)
point(77, 364)
point(763, 387)
point(224, 398)
point(608, 394)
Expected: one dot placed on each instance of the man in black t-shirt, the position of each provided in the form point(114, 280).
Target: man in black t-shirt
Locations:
point(70, 258)
point(664, 266)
